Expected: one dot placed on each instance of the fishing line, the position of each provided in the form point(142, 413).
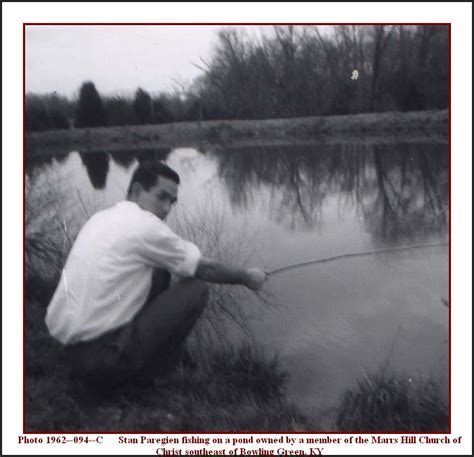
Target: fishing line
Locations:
point(357, 254)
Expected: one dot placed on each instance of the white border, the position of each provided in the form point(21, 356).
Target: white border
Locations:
point(458, 14)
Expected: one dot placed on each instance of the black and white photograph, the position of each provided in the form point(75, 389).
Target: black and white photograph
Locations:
point(237, 228)
point(294, 272)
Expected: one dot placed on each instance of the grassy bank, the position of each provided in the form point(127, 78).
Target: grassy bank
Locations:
point(233, 389)
point(420, 124)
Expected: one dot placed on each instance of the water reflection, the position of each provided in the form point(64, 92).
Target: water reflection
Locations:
point(97, 162)
point(61, 158)
point(295, 179)
point(34, 165)
point(400, 191)
point(410, 200)
point(154, 154)
point(97, 166)
point(122, 158)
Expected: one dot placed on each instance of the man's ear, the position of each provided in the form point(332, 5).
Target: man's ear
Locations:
point(136, 189)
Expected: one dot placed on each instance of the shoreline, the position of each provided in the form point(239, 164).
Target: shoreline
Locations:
point(382, 127)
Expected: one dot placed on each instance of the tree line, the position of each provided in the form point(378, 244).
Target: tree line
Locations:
point(46, 112)
point(295, 71)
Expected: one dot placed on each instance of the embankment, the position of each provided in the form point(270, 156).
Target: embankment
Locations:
point(419, 125)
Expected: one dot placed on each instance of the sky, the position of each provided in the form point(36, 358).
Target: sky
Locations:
point(118, 59)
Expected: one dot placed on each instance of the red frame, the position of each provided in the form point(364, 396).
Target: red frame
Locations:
point(25, 24)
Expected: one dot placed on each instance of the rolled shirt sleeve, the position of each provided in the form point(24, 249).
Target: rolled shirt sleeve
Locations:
point(190, 262)
point(163, 248)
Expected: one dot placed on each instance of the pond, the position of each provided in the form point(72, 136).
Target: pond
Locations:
point(280, 205)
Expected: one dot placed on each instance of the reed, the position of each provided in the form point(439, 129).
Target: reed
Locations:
point(391, 402)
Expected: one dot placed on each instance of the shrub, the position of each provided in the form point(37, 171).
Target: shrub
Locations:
point(393, 403)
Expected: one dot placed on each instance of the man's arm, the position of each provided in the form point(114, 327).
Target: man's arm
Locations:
point(212, 271)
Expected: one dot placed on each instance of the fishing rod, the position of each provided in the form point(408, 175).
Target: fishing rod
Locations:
point(357, 254)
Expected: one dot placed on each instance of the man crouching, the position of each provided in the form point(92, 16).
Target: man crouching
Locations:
point(113, 308)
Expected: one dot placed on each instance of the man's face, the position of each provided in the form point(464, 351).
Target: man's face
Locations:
point(159, 198)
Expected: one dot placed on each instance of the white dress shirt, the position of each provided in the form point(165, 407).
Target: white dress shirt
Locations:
point(108, 273)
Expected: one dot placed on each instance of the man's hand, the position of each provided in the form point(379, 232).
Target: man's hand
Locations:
point(255, 277)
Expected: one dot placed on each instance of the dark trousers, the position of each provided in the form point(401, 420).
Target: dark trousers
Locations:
point(148, 346)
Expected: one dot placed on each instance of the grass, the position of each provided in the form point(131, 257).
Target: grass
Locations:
point(227, 389)
point(388, 401)
point(207, 228)
point(393, 403)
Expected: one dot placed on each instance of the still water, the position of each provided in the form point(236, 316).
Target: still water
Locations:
point(281, 205)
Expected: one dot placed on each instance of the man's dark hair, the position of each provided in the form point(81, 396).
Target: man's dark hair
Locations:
point(147, 173)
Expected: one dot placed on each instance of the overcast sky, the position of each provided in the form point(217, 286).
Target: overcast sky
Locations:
point(118, 59)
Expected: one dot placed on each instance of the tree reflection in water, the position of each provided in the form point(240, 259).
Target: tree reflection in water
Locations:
point(97, 166)
point(123, 158)
point(400, 190)
point(410, 199)
point(150, 154)
point(61, 158)
point(34, 165)
point(294, 179)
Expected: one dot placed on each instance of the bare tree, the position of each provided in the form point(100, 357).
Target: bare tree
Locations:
point(381, 36)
